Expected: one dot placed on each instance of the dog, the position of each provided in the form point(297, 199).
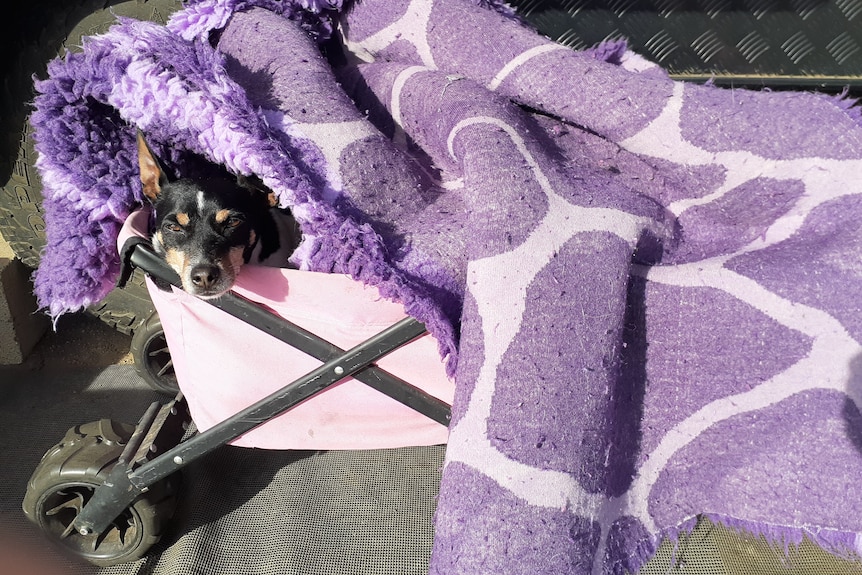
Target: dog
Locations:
point(206, 229)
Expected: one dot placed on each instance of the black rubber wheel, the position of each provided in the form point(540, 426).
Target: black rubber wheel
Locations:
point(40, 31)
point(67, 477)
point(153, 358)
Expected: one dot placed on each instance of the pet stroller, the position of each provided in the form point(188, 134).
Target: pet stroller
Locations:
point(107, 489)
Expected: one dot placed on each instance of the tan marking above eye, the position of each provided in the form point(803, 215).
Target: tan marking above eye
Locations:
point(221, 216)
point(183, 219)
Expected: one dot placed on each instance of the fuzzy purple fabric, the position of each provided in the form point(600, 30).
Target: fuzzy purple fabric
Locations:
point(648, 292)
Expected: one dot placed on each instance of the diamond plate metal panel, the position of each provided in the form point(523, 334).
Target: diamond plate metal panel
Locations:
point(761, 42)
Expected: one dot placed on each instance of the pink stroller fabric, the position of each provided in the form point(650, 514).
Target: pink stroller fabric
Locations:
point(224, 364)
point(648, 291)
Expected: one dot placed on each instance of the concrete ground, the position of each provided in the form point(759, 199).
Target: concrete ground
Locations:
point(79, 341)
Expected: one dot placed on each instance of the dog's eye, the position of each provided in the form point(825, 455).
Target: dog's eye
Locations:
point(172, 227)
point(233, 222)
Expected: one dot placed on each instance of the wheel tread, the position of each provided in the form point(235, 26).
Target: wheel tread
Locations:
point(87, 454)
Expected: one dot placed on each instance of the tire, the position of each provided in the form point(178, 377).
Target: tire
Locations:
point(46, 30)
point(67, 477)
point(153, 358)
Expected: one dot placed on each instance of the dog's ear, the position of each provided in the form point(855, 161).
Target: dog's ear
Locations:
point(152, 175)
point(254, 184)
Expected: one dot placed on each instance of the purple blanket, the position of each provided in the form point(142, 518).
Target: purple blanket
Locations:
point(648, 292)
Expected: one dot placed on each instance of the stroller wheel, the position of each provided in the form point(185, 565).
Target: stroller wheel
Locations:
point(153, 358)
point(65, 480)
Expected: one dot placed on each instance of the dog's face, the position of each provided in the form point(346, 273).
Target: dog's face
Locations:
point(205, 229)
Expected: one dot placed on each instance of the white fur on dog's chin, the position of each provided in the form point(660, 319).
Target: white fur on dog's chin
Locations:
point(190, 289)
point(206, 296)
point(229, 271)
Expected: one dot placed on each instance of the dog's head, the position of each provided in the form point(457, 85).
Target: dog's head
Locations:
point(205, 229)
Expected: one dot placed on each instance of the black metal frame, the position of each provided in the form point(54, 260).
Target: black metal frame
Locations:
point(157, 450)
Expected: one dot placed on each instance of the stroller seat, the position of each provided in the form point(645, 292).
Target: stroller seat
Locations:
point(223, 364)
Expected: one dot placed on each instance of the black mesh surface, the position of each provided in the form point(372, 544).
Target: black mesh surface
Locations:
point(241, 511)
point(712, 549)
point(255, 512)
point(278, 513)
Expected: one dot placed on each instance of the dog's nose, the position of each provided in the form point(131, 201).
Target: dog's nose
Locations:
point(205, 275)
